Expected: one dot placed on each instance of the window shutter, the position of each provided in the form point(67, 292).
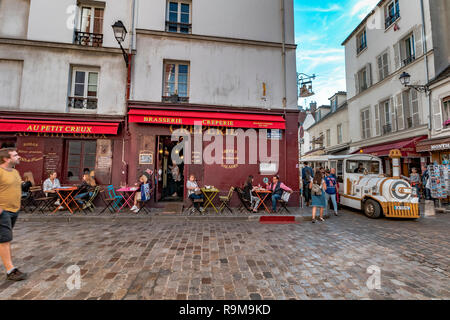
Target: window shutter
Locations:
point(377, 120)
point(392, 111)
point(363, 135)
point(400, 115)
point(369, 74)
point(386, 67)
point(437, 115)
point(397, 55)
point(406, 109)
point(356, 83)
point(380, 68)
point(418, 41)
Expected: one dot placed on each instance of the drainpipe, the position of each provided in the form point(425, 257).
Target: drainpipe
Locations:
point(425, 52)
point(283, 61)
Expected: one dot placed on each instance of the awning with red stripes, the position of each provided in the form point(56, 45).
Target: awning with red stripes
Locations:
point(25, 125)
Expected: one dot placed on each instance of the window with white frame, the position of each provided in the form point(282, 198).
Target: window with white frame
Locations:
point(411, 108)
point(408, 49)
point(385, 112)
point(365, 123)
point(84, 88)
point(339, 133)
point(391, 12)
point(361, 41)
point(178, 17)
point(362, 78)
point(90, 26)
point(176, 79)
point(383, 65)
point(446, 111)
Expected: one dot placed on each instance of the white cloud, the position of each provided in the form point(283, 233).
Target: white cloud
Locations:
point(362, 7)
point(331, 8)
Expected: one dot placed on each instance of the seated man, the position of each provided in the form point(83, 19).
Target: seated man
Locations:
point(277, 189)
point(193, 192)
point(50, 184)
point(360, 168)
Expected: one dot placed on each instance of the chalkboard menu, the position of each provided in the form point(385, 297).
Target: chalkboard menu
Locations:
point(51, 162)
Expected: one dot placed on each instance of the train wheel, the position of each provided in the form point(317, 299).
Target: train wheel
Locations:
point(372, 209)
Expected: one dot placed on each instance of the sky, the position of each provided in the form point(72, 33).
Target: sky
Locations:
point(320, 28)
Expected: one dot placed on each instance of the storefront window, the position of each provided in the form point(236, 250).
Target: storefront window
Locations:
point(81, 156)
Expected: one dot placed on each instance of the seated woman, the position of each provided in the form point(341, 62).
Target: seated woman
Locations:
point(248, 194)
point(193, 192)
point(27, 183)
point(85, 190)
point(143, 180)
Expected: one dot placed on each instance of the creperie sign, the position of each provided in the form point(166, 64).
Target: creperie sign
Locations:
point(59, 128)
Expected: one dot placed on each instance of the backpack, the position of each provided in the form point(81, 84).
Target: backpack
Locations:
point(316, 190)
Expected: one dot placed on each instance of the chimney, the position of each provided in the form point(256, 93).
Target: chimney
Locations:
point(312, 107)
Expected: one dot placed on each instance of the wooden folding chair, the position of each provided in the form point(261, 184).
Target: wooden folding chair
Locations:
point(41, 201)
point(245, 203)
point(189, 209)
point(144, 203)
point(88, 205)
point(225, 201)
point(110, 199)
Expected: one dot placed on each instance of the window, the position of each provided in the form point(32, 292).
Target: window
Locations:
point(385, 112)
point(328, 137)
point(84, 89)
point(446, 110)
point(361, 41)
point(90, 31)
point(362, 80)
point(365, 124)
point(372, 167)
point(383, 66)
point(408, 50)
point(339, 133)
point(411, 108)
point(392, 12)
point(334, 105)
point(81, 155)
point(176, 80)
point(178, 17)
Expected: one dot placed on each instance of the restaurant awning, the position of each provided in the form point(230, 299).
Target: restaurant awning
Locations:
point(434, 145)
point(209, 119)
point(69, 127)
point(407, 147)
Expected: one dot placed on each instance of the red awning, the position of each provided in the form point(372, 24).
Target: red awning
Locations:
point(14, 125)
point(209, 119)
point(407, 147)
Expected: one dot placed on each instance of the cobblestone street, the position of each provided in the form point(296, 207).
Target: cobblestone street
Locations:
point(233, 260)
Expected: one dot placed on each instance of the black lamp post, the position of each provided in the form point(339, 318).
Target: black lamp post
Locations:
point(405, 79)
point(120, 32)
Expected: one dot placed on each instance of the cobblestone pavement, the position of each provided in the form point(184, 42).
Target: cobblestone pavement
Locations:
point(233, 260)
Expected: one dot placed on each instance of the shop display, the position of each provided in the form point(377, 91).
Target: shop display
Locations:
point(439, 181)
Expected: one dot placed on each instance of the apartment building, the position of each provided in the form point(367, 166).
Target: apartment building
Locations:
point(330, 131)
point(228, 65)
point(396, 37)
point(63, 87)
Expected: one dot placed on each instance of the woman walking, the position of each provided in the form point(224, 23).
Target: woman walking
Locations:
point(318, 188)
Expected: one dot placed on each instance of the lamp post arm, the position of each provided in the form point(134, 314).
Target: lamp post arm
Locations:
point(125, 55)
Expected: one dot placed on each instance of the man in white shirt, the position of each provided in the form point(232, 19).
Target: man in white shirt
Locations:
point(50, 184)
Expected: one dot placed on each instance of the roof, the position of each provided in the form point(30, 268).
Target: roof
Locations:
point(362, 22)
point(339, 108)
point(441, 76)
point(339, 93)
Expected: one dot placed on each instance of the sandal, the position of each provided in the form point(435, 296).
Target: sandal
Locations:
point(321, 219)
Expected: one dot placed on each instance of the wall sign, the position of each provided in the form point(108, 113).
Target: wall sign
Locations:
point(146, 158)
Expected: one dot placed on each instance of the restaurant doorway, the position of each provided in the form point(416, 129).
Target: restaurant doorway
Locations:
point(170, 175)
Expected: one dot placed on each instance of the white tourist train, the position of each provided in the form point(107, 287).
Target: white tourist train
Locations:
point(364, 186)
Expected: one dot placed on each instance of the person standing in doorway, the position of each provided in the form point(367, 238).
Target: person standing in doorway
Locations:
point(307, 174)
point(10, 196)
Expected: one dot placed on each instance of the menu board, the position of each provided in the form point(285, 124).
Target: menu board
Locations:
point(51, 162)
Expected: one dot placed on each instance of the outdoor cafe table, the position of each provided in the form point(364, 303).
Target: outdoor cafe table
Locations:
point(210, 194)
point(262, 194)
point(127, 194)
point(65, 194)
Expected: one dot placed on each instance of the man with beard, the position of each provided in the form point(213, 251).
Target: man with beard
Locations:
point(10, 195)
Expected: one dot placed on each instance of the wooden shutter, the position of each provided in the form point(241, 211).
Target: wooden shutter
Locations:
point(356, 83)
point(386, 69)
point(397, 64)
point(418, 41)
point(437, 115)
point(400, 115)
point(406, 108)
point(415, 107)
point(377, 120)
point(392, 112)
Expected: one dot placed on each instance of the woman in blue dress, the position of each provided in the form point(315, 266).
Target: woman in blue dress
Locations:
point(318, 187)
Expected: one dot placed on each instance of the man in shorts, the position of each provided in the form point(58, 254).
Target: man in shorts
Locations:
point(10, 195)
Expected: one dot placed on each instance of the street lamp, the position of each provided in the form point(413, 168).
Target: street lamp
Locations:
point(120, 32)
point(405, 79)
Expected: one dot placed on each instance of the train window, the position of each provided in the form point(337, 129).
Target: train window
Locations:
point(355, 166)
point(340, 171)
